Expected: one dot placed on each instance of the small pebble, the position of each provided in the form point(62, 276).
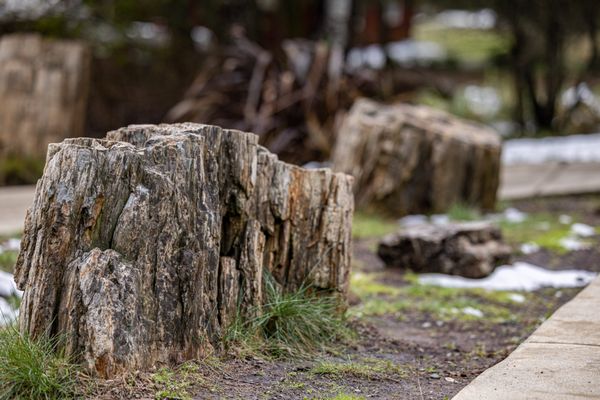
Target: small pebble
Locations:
point(434, 376)
point(448, 379)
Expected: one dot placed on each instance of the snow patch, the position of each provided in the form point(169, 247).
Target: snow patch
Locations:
point(10, 245)
point(516, 297)
point(520, 276)
point(583, 230)
point(530, 248)
point(8, 286)
point(413, 220)
point(473, 312)
point(565, 219)
point(514, 216)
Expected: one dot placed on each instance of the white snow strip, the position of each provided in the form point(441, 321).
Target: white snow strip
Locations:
point(575, 148)
point(520, 276)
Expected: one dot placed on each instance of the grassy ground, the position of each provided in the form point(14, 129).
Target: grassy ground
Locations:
point(406, 340)
point(470, 47)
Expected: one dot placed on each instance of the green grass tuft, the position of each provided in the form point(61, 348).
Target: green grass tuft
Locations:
point(339, 396)
point(463, 212)
point(34, 369)
point(368, 368)
point(289, 324)
point(367, 225)
point(8, 259)
point(171, 385)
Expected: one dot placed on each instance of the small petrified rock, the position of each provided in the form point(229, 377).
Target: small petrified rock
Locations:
point(141, 249)
point(470, 249)
point(414, 159)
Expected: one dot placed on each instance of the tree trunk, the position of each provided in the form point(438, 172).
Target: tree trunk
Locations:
point(141, 249)
point(414, 159)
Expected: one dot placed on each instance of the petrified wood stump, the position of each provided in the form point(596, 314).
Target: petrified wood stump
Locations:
point(413, 159)
point(139, 248)
point(470, 249)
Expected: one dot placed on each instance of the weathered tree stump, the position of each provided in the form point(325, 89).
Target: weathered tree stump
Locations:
point(43, 93)
point(413, 159)
point(470, 249)
point(139, 248)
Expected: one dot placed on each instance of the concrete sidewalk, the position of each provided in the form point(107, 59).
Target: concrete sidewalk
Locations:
point(549, 179)
point(559, 361)
point(14, 202)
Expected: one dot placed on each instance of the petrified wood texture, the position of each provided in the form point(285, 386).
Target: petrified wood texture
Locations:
point(139, 248)
point(43, 92)
point(413, 159)
point(470, 249)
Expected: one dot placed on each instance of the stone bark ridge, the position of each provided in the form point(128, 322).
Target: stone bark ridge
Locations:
point(413, 159)
point(139, 248)
point(43, 92)
point(470, 249)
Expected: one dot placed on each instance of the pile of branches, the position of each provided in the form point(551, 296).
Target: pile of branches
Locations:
point(293, 98)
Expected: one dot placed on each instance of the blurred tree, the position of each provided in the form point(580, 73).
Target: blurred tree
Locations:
point(542, 31)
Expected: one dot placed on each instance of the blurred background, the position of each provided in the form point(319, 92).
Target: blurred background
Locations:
point(288, 70)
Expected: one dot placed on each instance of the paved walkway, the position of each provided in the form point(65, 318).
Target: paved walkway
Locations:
point(14, 202)
point(559, 361)
point(551, 178)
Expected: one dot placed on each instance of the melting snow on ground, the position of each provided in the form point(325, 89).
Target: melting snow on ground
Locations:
point(574, 148)
point(7, 285)
point(520, 276)
point(10, 245)
point(530, 248)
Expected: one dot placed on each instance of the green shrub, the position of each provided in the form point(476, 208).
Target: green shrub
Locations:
point(20, 170)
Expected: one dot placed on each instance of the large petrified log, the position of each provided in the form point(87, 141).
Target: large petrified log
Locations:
point(413, 159)
point(139, 249)
point(43, 92)
point(471, 249)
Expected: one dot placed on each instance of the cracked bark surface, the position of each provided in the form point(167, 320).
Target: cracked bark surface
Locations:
point(413, 159)
point(139, 248)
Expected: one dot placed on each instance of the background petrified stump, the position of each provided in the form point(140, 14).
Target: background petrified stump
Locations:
point(139, 248)
point(470, 249)
point(413, 159)
point(43, 93)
